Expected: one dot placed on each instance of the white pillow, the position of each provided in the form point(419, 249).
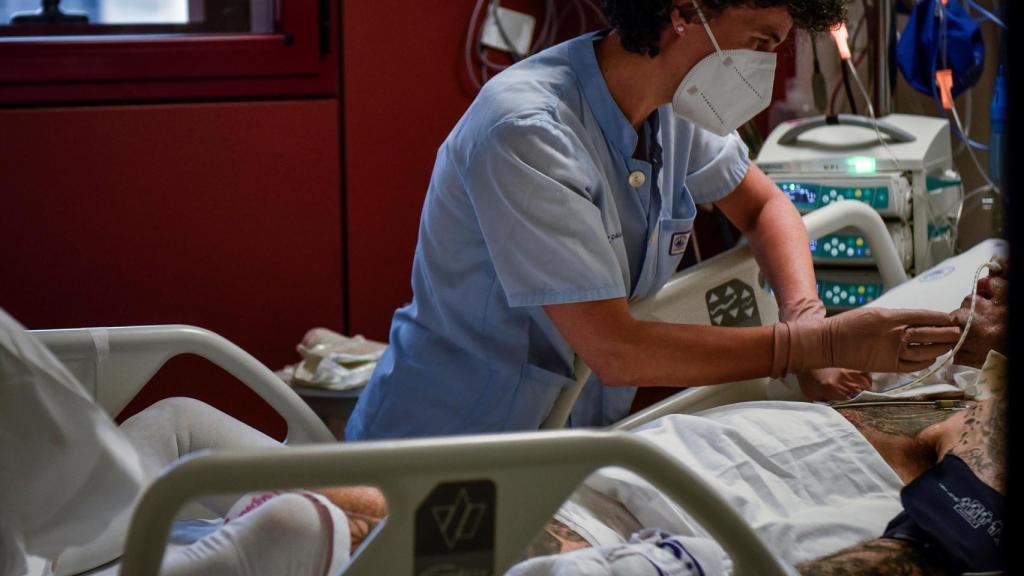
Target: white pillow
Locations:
point(943, 286)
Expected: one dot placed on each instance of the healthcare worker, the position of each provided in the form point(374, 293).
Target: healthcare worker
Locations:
point(568, 190)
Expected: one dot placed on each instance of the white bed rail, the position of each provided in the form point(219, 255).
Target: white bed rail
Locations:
point(682, 301)
point(860, 216)
point(532, 474)
point(113, 364)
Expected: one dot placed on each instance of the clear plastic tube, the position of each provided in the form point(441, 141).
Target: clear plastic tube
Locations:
point(963, 336)
point(871, 112)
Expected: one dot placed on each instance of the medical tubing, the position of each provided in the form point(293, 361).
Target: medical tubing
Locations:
point(941, 53)
point(986, 14)
point(963, 336)
point(871, 112)
point(945, 404)
point(974, 157)
point(848, 89)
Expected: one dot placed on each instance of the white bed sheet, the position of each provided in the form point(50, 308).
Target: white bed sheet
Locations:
point(800, 474)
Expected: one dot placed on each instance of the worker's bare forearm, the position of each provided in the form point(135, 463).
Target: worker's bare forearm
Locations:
point(777, 235)
point(879, 556)
point(685, 355)
point(624, 351)
point(779, 242)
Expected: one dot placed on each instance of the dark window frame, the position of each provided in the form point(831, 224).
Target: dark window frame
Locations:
point(300, 58)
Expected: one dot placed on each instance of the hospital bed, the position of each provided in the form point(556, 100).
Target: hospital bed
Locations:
point(519, 478)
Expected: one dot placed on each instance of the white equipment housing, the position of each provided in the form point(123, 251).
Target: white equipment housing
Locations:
point(911, 180)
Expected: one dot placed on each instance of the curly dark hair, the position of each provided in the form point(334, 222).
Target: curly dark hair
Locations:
point(640, 22)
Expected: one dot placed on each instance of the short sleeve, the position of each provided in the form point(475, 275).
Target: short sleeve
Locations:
point(717, 165)
point(528, 181)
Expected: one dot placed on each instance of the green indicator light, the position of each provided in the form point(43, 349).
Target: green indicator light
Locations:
point(861, 165)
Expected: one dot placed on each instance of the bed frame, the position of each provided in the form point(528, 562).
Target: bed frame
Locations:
point(517, 480)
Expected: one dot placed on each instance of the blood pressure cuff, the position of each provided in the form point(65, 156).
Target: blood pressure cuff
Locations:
point(951, 514)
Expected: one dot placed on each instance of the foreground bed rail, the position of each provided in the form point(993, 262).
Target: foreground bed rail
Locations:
point(515, 482)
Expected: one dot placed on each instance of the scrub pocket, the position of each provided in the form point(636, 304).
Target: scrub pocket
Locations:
point(534, 397)
point(673, 236)
point(672, 241)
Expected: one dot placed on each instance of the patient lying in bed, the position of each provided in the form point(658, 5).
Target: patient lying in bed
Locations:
point(811, 480)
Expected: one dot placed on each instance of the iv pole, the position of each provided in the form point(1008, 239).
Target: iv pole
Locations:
point(884, 37)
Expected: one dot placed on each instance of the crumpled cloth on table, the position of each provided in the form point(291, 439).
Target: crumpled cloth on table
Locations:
point(333, 361)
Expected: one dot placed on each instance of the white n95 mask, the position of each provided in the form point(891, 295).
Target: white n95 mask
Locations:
point(726, 88)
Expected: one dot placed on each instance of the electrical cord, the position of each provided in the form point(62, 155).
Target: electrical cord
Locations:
point(849, 90)
point(839, 84)
point(863, 53)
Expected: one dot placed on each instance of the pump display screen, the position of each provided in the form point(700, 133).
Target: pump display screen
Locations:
point(801, 194)
point(808, 196)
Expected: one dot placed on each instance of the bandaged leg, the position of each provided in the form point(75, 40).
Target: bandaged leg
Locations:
point(290, 533)
point(161, 434)
point(173, 428)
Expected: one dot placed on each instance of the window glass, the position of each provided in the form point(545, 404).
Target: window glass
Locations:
point(88, 17)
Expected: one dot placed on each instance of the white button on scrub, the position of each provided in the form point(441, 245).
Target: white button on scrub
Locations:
point(637, 178)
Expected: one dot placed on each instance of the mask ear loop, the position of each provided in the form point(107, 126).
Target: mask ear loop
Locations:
point(707, 28)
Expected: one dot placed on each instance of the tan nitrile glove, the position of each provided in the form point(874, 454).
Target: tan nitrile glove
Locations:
point(867, 339)
point(822, 383)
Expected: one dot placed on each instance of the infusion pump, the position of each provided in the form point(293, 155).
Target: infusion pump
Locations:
point(908, 179)
point(889, 194)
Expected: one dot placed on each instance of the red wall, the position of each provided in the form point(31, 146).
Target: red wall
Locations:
point(404, 90)
point(226, 216)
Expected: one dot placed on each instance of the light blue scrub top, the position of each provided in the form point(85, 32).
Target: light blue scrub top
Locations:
point(530, 203)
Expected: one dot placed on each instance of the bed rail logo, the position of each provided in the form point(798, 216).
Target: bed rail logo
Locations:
point(460, 520)
point(732, 304)
point(455, 527)
point(973, 512)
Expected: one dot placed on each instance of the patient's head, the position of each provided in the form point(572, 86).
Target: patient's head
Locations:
point(991, 316)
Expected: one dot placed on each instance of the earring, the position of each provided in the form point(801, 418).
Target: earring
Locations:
point(680, 30)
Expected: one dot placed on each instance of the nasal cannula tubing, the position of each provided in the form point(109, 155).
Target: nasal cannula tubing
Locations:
point(994, 267)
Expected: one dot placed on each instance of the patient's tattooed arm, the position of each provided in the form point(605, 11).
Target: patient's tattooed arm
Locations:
point(894, 431)
point(879, 556)
point(981, 441)
point(978, 436)
point(898, 420)
point(555, 539)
